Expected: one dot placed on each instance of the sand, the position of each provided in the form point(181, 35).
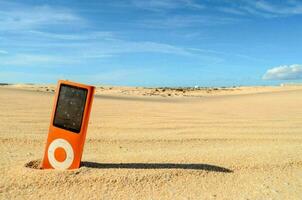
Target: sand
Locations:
point(224, 144)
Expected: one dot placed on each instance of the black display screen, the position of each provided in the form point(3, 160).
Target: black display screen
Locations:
point(70, 108)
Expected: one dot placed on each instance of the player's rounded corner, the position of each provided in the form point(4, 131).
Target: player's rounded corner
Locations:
point(68, 126)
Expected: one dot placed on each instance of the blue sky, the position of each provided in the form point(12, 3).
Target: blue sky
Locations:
point(151, 42)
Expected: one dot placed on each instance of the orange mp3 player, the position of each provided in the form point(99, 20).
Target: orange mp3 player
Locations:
point(68, 126)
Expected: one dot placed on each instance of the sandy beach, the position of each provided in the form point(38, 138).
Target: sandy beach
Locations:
point(223, 143)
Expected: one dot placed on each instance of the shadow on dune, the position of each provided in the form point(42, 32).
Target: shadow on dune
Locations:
point(205, 167)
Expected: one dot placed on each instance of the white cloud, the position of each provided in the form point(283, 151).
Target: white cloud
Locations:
point(74, 37)
point(209, 51)
point(181, 21)
point(77, 52)
point(295, 8)
point(147, 46)
point(3, 52)
point(262, 8)
point(30, 18)
point(29, 43)
point(81, 51)
point(231, 10)
point(285, 72)
point(117, 46)
point(160, 5)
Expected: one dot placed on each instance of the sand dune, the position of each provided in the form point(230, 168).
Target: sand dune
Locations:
point(241, 144)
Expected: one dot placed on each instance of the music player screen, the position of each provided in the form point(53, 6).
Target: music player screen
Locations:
point(70, 108)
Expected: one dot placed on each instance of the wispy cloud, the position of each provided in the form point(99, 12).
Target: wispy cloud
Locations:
point(161, 5)
point(99, 48)
point(262, 8)
point(22, 17)
point(185, 21)
point(285, 72)
point(38, 36)
point(3, 52)
point(23, 28)
point(92, 35)
point(253, 11)
point(146, 46)
point(231, 10)
point(289, 8)
point(79, 48)
point(238, 55)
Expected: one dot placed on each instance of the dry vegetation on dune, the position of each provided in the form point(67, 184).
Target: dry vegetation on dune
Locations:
point(243, 146)
point(105, 91)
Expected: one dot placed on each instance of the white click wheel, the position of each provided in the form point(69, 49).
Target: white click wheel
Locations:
point(68, 160)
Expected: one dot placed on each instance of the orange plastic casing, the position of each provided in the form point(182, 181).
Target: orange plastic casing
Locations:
point(76, 140)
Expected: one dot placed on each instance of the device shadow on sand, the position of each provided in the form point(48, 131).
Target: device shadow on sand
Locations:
point(206, 167)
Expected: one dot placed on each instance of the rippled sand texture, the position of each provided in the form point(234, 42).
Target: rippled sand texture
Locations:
point(245, 146)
